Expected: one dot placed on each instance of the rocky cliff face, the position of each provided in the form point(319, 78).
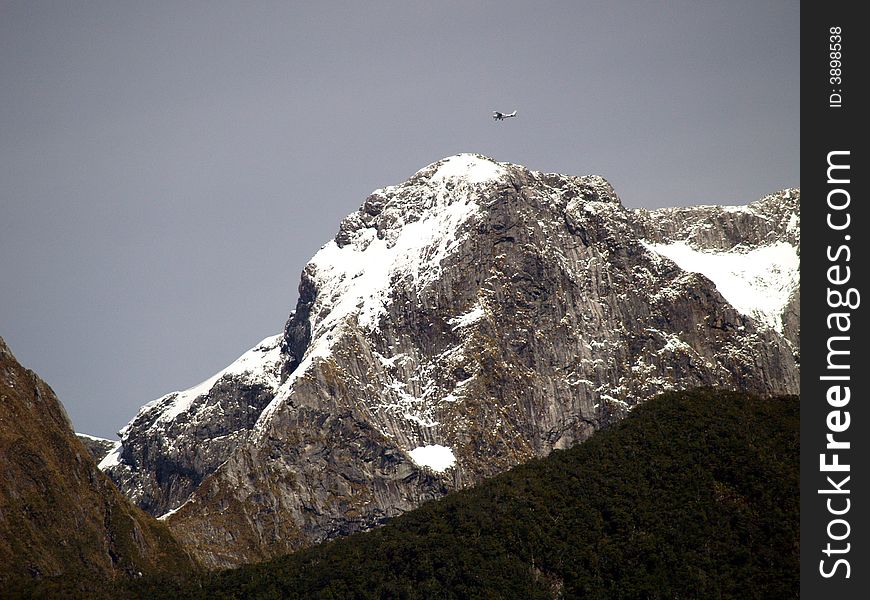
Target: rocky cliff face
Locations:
point(464, 321)
point(59, 515)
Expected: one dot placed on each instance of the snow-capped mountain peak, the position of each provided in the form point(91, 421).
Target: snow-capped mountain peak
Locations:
point(472, 317)
point(467, 168)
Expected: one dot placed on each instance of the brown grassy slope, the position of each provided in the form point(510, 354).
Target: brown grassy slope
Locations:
point(60, 517)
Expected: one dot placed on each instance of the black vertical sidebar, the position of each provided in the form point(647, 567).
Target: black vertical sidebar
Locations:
point(835, 370)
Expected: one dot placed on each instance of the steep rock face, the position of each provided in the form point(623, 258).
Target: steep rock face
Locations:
point(59, 515)
point(466, 320)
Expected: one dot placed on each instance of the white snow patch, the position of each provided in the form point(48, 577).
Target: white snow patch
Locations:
point(390, 362)
point(468, 167)
point(674, 343)
point(113, 458)
point(421, 421)
point(740, 208)
point(609, 398)
point(436, 457)
point(464, 320)
point(757, 283)
point(169, 513)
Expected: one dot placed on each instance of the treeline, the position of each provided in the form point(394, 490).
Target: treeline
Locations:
point(694, 495)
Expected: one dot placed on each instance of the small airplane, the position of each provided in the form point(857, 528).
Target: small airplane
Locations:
point(500, 116)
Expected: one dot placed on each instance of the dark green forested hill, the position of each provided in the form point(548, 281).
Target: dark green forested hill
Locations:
point(695, 495)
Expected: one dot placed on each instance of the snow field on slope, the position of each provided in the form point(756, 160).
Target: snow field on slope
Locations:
point(436, 457)
point(757, 283)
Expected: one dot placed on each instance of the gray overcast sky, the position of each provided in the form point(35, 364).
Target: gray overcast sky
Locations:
point(167, 168)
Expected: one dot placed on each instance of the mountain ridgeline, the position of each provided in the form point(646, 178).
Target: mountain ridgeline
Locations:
point(475, 317)
point(694, 495)
point(63, 524)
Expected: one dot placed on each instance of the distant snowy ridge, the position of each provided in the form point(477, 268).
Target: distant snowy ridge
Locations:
point(97, 447)
point(94, 438)
point(260, 364)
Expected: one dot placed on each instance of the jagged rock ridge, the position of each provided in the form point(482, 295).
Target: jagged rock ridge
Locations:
point(466, 320)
